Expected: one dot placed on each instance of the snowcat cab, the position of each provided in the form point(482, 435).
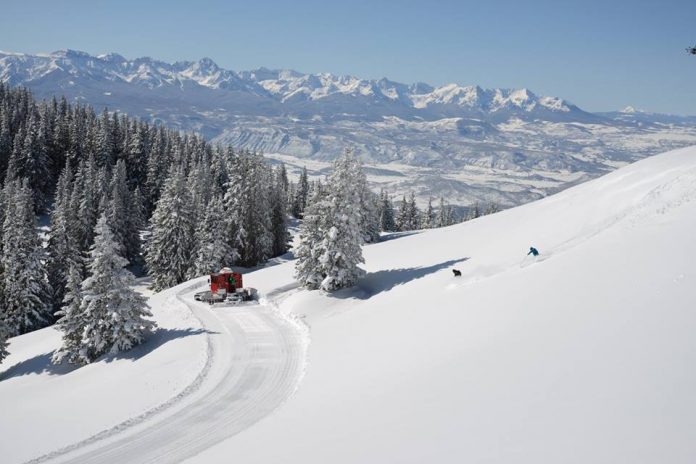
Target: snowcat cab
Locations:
point(226, 286)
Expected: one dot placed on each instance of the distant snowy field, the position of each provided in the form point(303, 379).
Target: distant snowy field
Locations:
point(583, 355)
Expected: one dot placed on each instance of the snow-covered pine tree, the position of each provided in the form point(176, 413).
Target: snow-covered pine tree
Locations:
point(135, 153)
point(33, 162)
point(342, 250)
point(155, 163)
point(278, 202)
point(105, 140)
point(90, 196)
point(26, 290)
point(442, 216)
point(402, 218)
point(169, 251)
point(63, 250)
point(200, 181)
point(248, 208)
point(212, 250)
point(386, 213)
point(474, 212)
point(369, 210)
point(118, 212)
point(114, 314)
point(429, 219)
point(138, 214)
point(283, 182)
point(72, 321)
point(414, 213)
point(301, 194)
point(308, 269)
point(332, 240)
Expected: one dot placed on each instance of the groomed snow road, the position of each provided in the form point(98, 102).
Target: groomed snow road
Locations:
point(256, 360)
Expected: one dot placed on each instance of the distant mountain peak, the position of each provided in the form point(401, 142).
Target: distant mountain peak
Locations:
point(285, 90)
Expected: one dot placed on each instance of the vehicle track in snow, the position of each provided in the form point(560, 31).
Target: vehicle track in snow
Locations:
point(256, 359)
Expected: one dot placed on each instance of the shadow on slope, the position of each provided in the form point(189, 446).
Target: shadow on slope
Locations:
point(375, 283)
point(41, 364)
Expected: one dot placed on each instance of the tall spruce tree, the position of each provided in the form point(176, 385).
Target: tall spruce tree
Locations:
point(114, 313)
point(212, 250)
point(25, 285)
point(278, 203)
point(301, 194)
point(71, 320)
point(429, 219)
point(308, 267)
point(169, 251)
point(63, 247)
point(386, 213)
point(334, 241)
point(247, 205)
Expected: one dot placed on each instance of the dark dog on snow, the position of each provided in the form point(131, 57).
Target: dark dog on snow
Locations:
point(457, 272)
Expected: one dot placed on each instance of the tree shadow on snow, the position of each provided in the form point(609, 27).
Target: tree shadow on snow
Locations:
point(41, 364)
point(153, 341)
point(375, 283)
point(388, 236)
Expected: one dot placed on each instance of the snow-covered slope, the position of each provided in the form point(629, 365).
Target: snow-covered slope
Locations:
point(202, 377)
point(582, 355)
point(466, 143)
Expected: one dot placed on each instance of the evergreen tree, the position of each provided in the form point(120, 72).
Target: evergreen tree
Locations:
point(247, 205)
point(443, 214)
point(429, 217)
point(301, 193)
point(212, 249)
point(332, 241)
point(414, 214)
point(89, 199)
point(474, 212)
point(386, 213)
point(169, 251)
point(26, 288)
point(279, 226)
point(402, 218)
point(308, 268)
point(72, 321)
point(63, 248)
point(369, 210)
point(114, 314)
point(105, 141)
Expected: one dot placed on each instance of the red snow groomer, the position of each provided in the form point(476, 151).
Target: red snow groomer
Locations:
point(226, 286)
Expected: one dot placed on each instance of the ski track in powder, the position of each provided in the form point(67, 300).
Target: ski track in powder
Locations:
point(255, 361)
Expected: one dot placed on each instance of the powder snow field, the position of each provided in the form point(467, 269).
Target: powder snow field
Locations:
point(583, 355)
point(204, 376)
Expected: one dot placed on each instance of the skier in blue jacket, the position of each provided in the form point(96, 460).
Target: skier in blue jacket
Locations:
point(533, 251)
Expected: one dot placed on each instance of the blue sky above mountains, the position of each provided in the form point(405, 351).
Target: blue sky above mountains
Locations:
point(599, 55)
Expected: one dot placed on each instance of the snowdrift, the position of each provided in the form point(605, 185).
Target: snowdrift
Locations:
point(583, 355)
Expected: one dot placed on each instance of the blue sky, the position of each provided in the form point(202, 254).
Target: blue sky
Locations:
point(601, 55)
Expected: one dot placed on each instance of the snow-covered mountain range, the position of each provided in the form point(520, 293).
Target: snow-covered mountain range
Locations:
point(465, 142)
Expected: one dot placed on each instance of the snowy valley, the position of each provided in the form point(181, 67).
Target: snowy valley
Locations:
point(465, 143)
